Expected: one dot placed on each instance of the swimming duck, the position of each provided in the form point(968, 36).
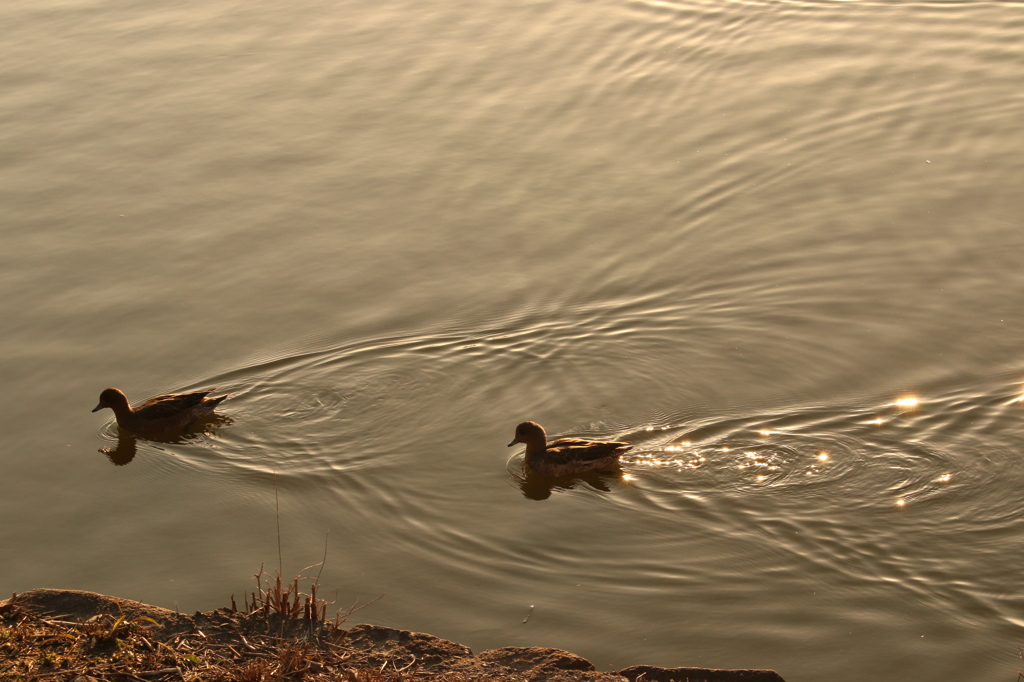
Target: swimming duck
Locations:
point(160, 414)
point(566, 456)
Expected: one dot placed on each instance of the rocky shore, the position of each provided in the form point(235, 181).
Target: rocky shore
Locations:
point(87, 637)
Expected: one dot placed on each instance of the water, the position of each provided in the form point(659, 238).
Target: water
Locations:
point(736, 234)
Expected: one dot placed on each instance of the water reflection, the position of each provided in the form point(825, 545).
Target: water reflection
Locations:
point(127, 442)
point(539, 487)
point(125, 450)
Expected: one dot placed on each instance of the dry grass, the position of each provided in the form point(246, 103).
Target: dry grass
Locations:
point(281, 636)
point(286, 600)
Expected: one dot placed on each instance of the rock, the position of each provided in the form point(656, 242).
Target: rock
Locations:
point(520, 659)
point(650, 673)
point(81, 605)
point(401, 645)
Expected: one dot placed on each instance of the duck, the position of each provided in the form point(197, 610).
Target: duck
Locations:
point(566, 456)
point(160, 414)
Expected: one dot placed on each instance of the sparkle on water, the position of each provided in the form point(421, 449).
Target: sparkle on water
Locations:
point(686, 239)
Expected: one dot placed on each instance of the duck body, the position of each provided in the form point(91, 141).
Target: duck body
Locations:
point(160, 414)
point(566, 456)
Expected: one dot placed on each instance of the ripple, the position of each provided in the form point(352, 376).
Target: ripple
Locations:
point(884, 457)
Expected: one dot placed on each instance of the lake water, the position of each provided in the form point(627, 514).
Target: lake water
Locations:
point(744, 236)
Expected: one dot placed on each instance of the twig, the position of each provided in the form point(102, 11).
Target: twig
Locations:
point(161, 673)
point(359, 608)
point(41, 675)
point(248, 646)
point(322, 563)
point(277, 515)
point(67, 623)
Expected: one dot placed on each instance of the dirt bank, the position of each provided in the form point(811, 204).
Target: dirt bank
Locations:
point(87, 637)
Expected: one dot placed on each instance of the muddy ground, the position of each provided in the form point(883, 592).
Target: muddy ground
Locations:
point(73, 636)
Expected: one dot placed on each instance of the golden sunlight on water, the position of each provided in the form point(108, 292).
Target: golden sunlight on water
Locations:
point(775, 246)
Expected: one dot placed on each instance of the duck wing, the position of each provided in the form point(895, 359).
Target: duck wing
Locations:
point(569, 442)
point(566, 450)
point(170, 405)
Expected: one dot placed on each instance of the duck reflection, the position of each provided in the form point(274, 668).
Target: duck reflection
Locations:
point(127, 442)
point(537, 486)
point(125, 450)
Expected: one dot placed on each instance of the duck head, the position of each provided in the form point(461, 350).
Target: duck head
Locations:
point(113, 399)
point(530, 434)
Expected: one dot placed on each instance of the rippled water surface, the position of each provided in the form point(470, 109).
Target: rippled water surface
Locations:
point(775, 245)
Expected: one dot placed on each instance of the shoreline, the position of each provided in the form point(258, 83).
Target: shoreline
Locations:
point(69, 635)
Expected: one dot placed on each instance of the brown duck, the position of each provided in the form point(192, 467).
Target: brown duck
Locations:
point(163, 413)
point(566, 456)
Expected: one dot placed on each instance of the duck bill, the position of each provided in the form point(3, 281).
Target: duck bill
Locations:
point(97, 408)
point(509, 445)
